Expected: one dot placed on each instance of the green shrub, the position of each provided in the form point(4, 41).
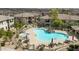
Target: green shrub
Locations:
point(1, 32)
point(59, 43)
point(2, 44)
point(8, 34)
point(18, 24)
point(76, 46)
point(73, 47)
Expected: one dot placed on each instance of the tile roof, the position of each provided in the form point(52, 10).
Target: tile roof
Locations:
point(28, 14)
point(2, 17)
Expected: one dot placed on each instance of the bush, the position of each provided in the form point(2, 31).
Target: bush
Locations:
point(18, 24)
point(7, 35)
point(73, 47)
point(1, 32)
point(59, 43)
point(41, 47)
point(76, 46)
point(3, 43)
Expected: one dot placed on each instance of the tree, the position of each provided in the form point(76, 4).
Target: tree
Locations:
point(18, 24)
point(55, 20)
point(1, 32)
point(58, 22)
point(54, 14)
point(7, 35)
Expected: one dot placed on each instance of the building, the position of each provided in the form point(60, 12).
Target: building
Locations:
point(27, 17)
point(68, 17)
point(75, 29)
point(6, 22)
point(46, 20)
point(64, 17)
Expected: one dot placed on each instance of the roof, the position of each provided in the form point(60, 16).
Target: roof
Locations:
point(75, 27)
point(45, 17)
point(28, 14)
point(68, 17)
point(2, 17)
point(63, 17)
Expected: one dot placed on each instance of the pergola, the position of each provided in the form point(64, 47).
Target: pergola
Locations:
point(27, 14)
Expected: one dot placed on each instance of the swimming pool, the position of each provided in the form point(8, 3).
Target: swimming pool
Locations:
point(45, 37)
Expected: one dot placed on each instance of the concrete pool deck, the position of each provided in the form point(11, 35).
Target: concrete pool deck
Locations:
point(33, 39)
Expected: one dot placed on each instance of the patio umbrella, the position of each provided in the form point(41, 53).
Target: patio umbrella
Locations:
point(52, 41)
point(51, 44)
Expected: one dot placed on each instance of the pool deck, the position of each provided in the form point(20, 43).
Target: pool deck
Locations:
point(34, 41)
point(32, 38)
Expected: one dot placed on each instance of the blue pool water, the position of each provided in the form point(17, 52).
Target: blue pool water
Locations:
point(46, 37)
